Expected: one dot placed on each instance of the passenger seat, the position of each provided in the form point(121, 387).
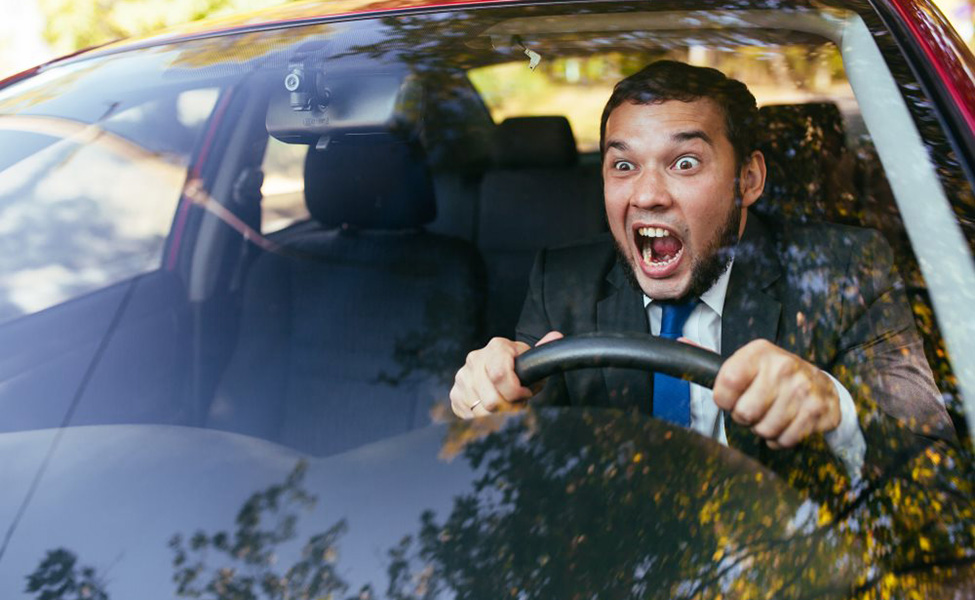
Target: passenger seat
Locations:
point(811, 171)
point(354, 329)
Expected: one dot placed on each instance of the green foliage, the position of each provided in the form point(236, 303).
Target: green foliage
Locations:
point(75, 24)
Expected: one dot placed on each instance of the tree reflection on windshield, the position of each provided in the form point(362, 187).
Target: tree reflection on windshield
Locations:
point(59, 577)
point(242, 564)
point(574, 505)
point(585, 504)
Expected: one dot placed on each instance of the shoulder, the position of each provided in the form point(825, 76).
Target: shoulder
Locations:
point(565, 286)
point(829, 235)
point(591, 258)
point(831, 265)
point(807, 245)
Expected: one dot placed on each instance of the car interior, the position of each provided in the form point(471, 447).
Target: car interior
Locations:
point(365, 203)
point(426, 213)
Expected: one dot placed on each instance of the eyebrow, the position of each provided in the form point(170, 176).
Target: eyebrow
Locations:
point(679, 137)
point(697, 134)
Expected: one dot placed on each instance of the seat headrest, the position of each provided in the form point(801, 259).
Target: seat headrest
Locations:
point(821, 120)
point(376, 181)
point(810, 169)
point(526, 142)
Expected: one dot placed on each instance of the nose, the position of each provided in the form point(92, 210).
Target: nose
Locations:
point(651, 191)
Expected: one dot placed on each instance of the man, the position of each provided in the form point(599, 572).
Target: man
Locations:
point(809, 317)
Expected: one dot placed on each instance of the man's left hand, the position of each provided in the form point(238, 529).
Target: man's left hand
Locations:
point(781, 397)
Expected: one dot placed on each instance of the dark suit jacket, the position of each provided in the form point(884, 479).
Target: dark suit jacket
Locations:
point(826, 293)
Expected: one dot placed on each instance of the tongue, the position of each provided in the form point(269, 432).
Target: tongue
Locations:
point(665, 247)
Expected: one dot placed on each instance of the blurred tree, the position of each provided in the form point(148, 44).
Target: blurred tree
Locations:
point(72, 24)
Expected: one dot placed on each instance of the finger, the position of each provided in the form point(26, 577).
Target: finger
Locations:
point(799, 429)
point(493, 375)
point(478, 410)
point(502, 374)
point(816, 415)
point(551, 336)
point(485, 392)
point(460, 396)
point(782, 411)
point(755, 401)
point(736, 375)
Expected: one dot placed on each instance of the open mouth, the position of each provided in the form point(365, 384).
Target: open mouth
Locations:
point(659, 248)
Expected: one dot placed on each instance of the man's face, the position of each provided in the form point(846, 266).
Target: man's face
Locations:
point(669, 183)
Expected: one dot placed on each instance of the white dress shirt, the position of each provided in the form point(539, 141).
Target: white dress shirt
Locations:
point(703, 327)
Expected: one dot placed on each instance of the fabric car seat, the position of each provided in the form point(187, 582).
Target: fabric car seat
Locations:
point(811, 172)
point(353, 330)
point(814, 175)
point(537, 195)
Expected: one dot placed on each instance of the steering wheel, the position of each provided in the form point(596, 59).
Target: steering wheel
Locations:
point(624, 350)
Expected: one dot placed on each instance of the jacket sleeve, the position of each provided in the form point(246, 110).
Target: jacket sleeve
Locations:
point(880, 357)
point(534, 323)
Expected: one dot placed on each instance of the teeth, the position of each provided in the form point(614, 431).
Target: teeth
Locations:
point(653, 232)
point(656, 232)
point(648, 257)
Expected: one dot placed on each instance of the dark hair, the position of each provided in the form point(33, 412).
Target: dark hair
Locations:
point(671, 80)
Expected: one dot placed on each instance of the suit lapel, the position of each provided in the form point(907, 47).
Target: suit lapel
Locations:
point(621, 311)
point(751, 310)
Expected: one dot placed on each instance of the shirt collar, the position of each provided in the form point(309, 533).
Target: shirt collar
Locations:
point(714, 297)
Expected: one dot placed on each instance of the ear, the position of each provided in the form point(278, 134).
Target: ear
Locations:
point(752, 179)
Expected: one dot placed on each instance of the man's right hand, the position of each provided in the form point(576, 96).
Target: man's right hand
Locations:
point(487, 381)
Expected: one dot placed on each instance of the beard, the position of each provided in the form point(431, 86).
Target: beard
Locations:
point(710, 265)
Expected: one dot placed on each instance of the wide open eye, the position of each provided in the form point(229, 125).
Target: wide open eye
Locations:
point(686, 163)
point(623, 165)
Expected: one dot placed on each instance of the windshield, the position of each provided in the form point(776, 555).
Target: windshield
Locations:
point(244, 271)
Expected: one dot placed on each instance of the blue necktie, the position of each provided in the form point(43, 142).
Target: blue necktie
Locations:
point(671, 395)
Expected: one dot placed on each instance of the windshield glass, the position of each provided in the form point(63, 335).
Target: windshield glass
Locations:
point(244, 273)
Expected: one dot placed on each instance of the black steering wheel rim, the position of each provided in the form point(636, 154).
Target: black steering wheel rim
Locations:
point(622, 350)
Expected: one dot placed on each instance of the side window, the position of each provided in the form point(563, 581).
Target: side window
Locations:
point(85, 205)
point(283, 191)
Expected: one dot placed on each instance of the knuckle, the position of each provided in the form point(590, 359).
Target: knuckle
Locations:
point(498, 344)
point(729, 379)
point(496, 372)
point(808, 405)
point(744, 414)
point(784, 366)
